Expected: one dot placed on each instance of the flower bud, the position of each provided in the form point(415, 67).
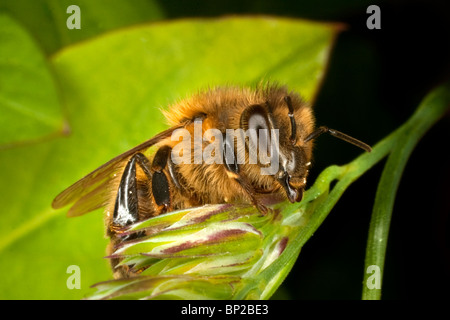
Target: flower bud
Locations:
point(208, 252)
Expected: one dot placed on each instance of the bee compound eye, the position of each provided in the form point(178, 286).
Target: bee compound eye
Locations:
point(255, 121)
point(254, 117)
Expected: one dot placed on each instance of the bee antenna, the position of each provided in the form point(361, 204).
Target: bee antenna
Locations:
point(316, 133)
point(293, 137)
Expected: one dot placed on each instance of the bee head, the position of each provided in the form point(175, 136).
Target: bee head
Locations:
point(288, 140)
point(273, 137)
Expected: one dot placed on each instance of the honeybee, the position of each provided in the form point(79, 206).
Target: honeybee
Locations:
point(228, 144)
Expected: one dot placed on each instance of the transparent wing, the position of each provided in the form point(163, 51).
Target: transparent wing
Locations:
point(93, 191)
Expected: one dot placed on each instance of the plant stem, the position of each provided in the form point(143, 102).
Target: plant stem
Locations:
point(345, 175)
point(429, 112)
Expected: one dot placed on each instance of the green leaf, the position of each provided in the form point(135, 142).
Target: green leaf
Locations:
point(46, 19)
point(112, 88)
point(29, 106)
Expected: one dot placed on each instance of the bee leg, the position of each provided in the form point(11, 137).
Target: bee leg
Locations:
point(160, 183)
point(246, 185)
point(126, 206)
point(232, 167)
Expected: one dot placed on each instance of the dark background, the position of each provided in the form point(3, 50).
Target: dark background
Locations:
point(376, 79)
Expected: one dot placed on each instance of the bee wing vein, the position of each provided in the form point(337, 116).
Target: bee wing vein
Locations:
point(92, 192)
